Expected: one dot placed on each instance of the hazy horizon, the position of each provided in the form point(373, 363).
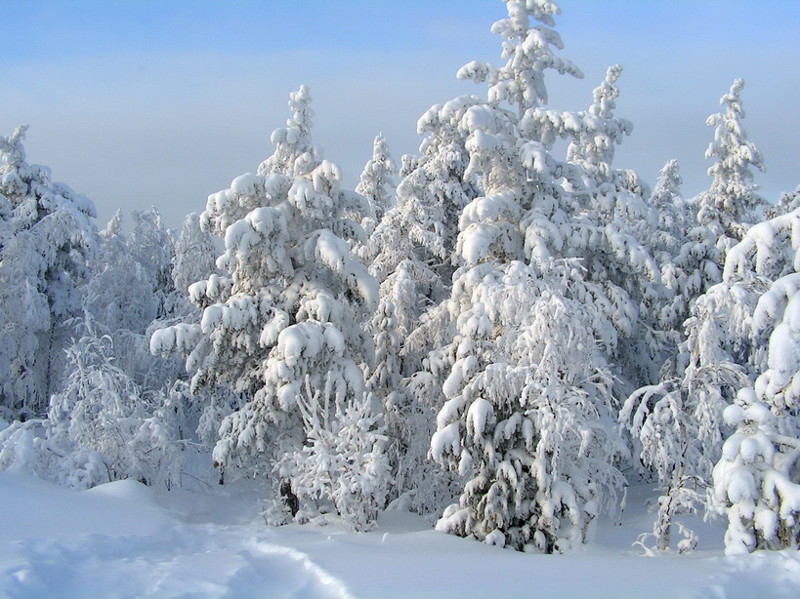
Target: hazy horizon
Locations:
point(141, 103)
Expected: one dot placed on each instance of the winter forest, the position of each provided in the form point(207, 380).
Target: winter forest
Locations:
point(503, 333)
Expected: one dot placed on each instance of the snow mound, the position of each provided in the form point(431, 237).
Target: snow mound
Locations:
point(31, 508)
point(127, 490)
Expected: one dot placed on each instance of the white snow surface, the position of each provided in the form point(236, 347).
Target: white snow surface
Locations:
point(120, 540)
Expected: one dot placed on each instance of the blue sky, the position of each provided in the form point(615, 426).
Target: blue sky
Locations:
point(140, 103)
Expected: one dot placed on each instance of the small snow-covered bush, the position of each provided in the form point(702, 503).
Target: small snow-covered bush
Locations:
point(343, 466)
point(100, 426)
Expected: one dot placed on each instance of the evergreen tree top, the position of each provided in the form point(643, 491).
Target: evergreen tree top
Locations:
point(529, 52)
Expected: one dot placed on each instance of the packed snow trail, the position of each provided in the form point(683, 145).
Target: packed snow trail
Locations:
point(179, 562)
point(117, 541)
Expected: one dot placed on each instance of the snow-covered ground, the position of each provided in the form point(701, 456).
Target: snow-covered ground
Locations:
point(119, 540)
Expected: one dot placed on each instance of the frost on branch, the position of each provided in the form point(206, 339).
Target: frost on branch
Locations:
point(661, 420)
point(100, 427)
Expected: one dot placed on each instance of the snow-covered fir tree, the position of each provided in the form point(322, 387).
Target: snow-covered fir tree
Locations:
point(201, 412)
point(684, 250)
point(46, 238)
point(412, 255)
point(377, 183)
point(286, 316)
point(528, 388)
point(384, 376)
point(732, 203)
point(677, 424)
point(419, 233)
point(594, 142)
point(756, 478)
point(728, 333)
point(754, 482)
point(527, 416)
point(607, 233)
point(673, 214)
point(194, 255)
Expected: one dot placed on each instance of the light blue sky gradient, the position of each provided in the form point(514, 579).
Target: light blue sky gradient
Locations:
point(140, 103)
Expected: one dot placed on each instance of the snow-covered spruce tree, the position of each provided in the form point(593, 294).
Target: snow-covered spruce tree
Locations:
point(674, 217)
point(732, 203)
point(527, 421)
point(677, 424)
point(755, 481)
point(607, 233)
point(377, 183)
point(420, 231)
point(416, 482)
point(766, 262)
point(599, 132)
point(430, 199)
point(411, 253)
point(728, 333)
point(684, 250)
point(46, 238)
point(153, 246)
point(194, 255)
point(385, 374)
point(201, 412)
point(286, 316)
